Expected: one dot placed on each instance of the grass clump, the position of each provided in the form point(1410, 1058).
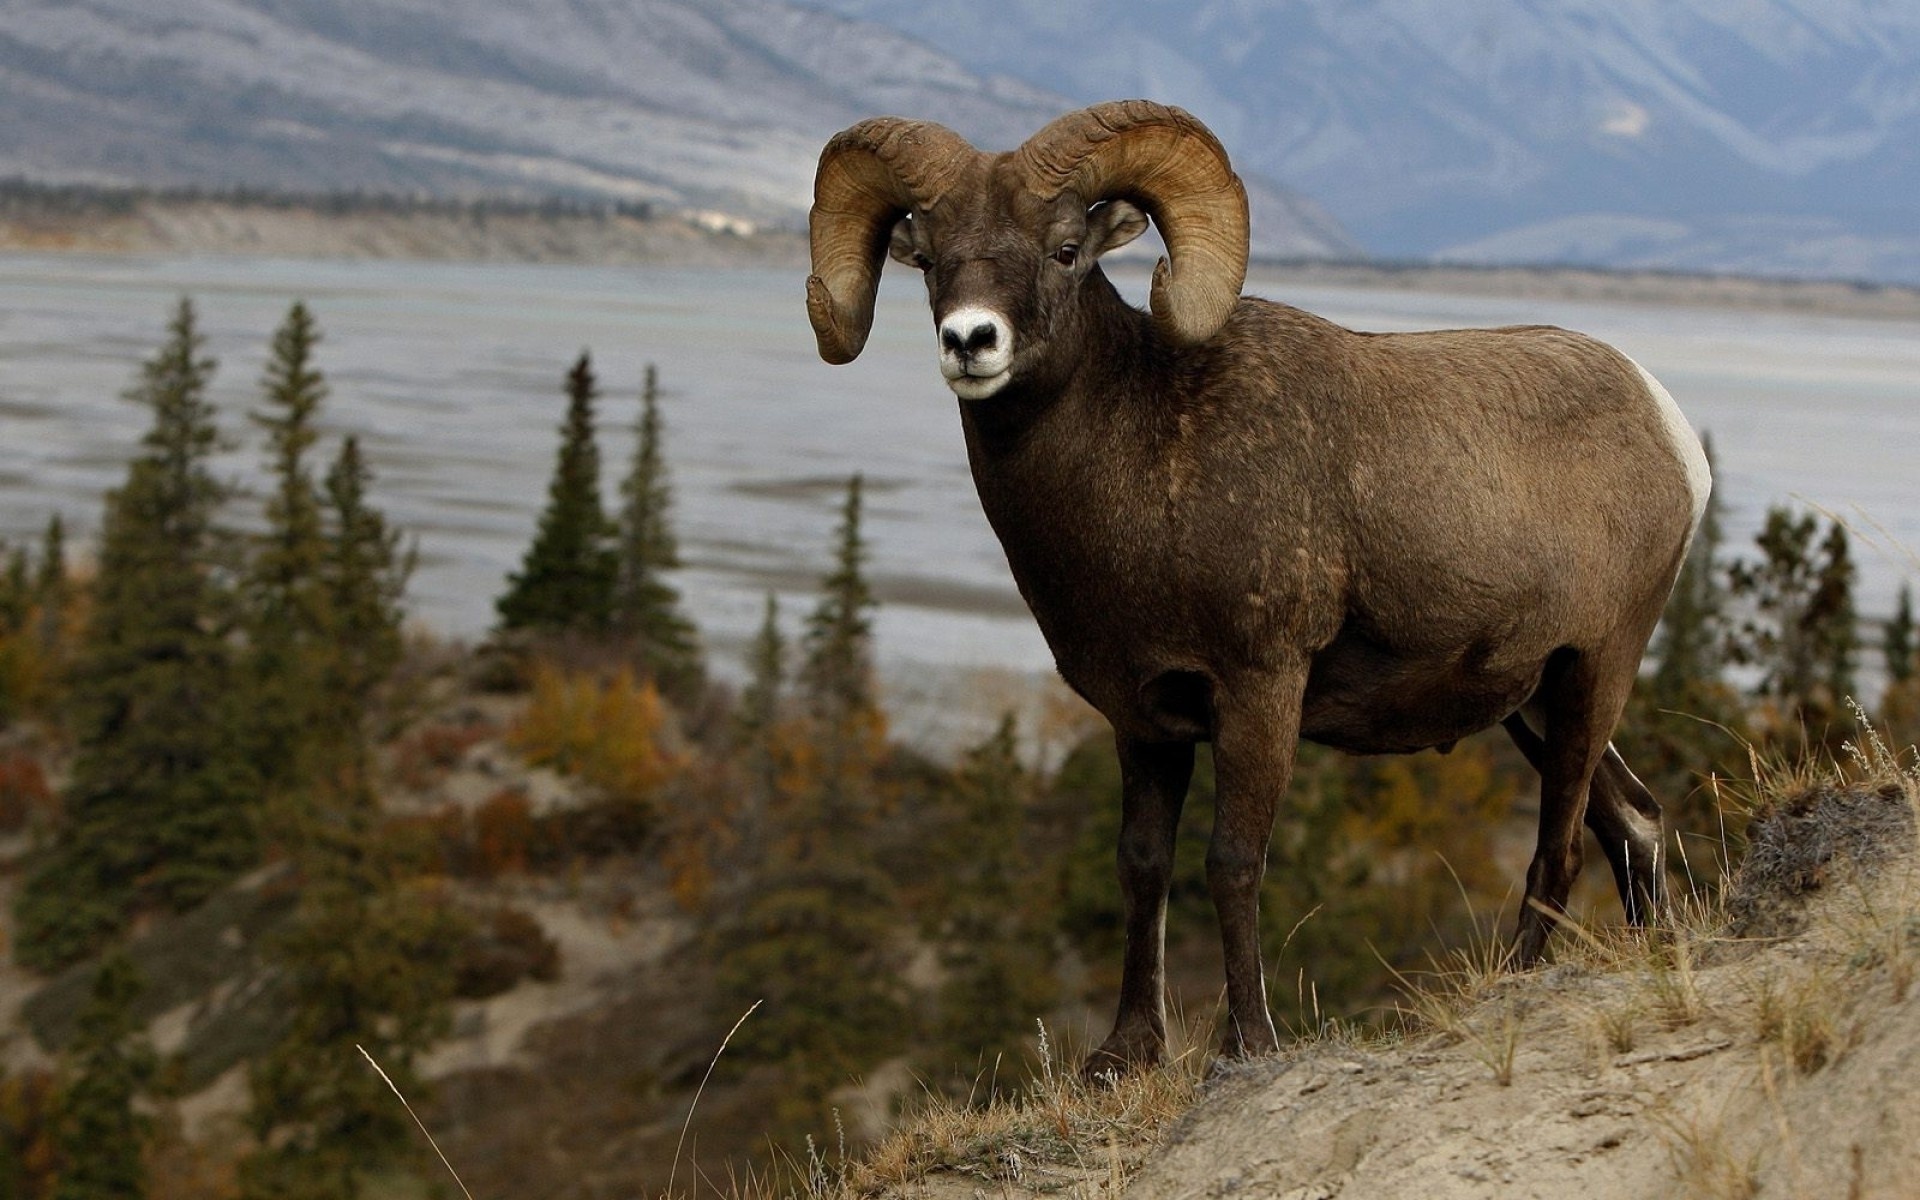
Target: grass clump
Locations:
point(1059, 1133)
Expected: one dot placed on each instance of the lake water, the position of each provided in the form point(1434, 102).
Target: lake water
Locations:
point(451, 374)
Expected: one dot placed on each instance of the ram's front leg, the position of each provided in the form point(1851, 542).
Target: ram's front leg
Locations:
point(1153, 782)
point(1256, 731)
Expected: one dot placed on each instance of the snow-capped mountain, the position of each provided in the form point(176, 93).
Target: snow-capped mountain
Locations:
point(693, 104)
point(1771, 135)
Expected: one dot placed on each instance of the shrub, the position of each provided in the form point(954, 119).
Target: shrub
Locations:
point(24, 793)
point(511, 946)
point(606, 733)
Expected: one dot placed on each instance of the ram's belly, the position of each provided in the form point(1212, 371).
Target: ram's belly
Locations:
point(1363, 699)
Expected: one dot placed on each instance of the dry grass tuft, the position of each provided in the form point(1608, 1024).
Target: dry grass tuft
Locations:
point(1706, 1164)
point(1058, 1135)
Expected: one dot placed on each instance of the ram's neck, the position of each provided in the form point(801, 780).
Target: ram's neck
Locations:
point(1062, 463)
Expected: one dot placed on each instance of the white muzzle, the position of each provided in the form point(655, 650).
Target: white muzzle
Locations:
point(976, 352)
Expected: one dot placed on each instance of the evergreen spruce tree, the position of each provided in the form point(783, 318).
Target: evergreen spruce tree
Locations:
point(19, 664)
point(160, 798)
point(837, 676)
point(368, 957)
point(50, 583)
point(364, 571)
point(816, 940)
point(287, 617)
point(837, 683)
point(367, 961)
point(1898, 643)
point(767, 677)
point(1833, 620)
point(565, 584)
point(646, 608)
point(760, 737)
point(34, 614)
point(53, 592)
point(1800, 629)
point(1777, 590)
point(16, 587)
point(99, 1135)
point(1898, 713)
point(994, 945)
point(814, 937)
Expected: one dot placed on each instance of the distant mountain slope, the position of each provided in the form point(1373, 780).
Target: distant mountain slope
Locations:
point(1775, 135)
point(689, 103)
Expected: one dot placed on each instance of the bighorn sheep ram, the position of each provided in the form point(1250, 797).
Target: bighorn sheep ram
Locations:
point(1237, 522)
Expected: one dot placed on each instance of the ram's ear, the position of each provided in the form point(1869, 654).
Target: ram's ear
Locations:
point(1111, 224)
point(900, 243)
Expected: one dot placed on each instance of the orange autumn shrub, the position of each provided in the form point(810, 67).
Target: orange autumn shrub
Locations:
point(608, 733)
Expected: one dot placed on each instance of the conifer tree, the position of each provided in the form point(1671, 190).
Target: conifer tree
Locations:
point(50, 583)
point(364, 571)
point(100, 1135)
point(53, 593)
point(994, 946)
point(19, 660)
point(1899, 709)
point(287, 618)
point(1834, 619)
point(367, 961)
point(566, 581)
point(16, 587)
point(813, 938)
point(646, 608)
point(34, 614)
point(1800, 629)
point(836, 675)
point(1777, 589)
point(159, 801)
point(368, 957)
point(1898, 643)
point(767, 676)
point(816, 941)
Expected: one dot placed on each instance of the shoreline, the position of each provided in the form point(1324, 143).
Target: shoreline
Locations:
point(196, 226)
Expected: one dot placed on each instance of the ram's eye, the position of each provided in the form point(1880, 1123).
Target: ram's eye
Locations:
point(1067, 255)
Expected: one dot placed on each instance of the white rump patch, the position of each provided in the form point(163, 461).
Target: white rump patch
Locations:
point(1686, 443)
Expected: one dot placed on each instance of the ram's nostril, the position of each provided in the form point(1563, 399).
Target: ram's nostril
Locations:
point(975, 335)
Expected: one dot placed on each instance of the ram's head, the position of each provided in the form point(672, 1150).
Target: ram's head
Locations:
point(1005, 240)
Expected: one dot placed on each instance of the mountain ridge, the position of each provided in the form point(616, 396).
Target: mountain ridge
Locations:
point(1707, 135)
point(684, 104)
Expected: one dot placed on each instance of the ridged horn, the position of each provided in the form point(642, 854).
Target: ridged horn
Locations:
point(869, 176)
point(1172, 166)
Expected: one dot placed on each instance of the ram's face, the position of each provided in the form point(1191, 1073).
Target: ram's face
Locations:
point(1004, 270)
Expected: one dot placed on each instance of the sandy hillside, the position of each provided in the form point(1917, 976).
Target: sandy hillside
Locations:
point(1775, 1056)
point(1770, 1047)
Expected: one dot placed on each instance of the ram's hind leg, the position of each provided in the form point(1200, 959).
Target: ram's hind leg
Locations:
point(1578, 703)
point(1625, 819)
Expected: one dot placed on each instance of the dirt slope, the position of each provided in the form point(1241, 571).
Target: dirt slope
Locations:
point(1745, 1058)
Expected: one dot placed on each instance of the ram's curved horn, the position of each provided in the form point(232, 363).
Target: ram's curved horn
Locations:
point(870, 175)
point(1172, 166)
